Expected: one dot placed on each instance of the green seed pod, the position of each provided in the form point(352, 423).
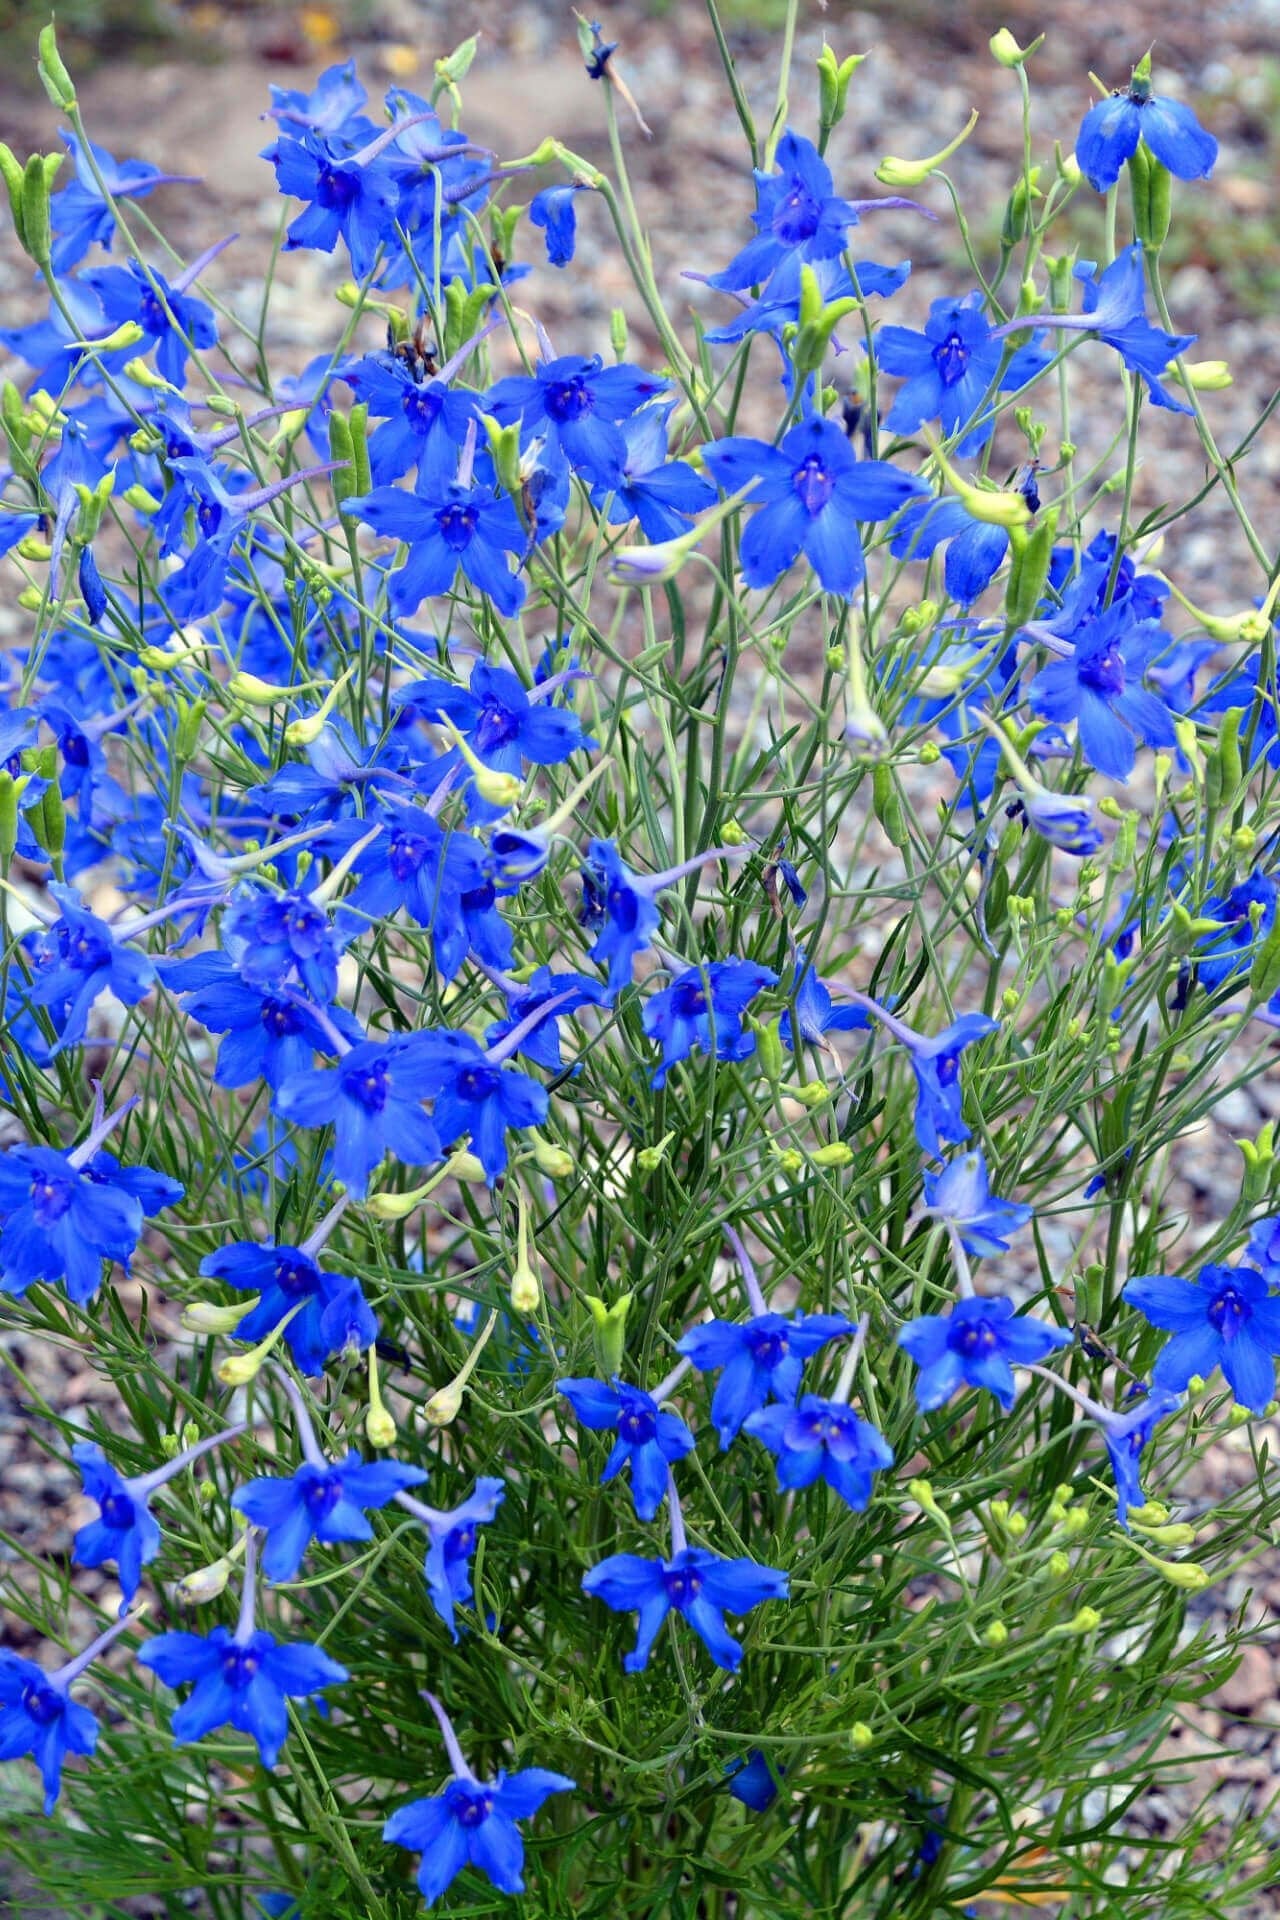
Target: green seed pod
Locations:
point(358, 421)
point(887, 805)
point(1151, 187)
point(37, 232)
point(11, 168)
point(341, 447)
point(1029, 567)
point(55, 79)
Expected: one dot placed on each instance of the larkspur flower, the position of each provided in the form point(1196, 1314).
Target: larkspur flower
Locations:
point(450, 526)
point(267, 1035)
point(1226, 1317)
point(935, 1061)
point(1111, 130)
point(1247, 912)
point(976, 550)
point(81, 213)
point(660, 493)
point(950, 370)
point(332, 107)
point(471, 1822)
point(423, 420)
point(1125, 1434)
point(348, 197)
point(699, 1585)
point(1100, 683)
point(619, 905)
point(477, 1097)
point(79, 958)
point(1263, 1249)
point(373, 1100)
point(960, 1194)
point(555, 211)
point(649, 1437)
point(504, 724)
point(332, 1312)
point(241, 1678)
point(171, 319)
point(125, 1530)
point(575, 405)
point(762, 1359)
point(1115, 312)
point(823, 1439)
point(451, 1541)
point(817, 1012)
point(753, 1782)
point(703, 1008)
point(812, 494)
point(976, 1344)
point(39, 1717)
point(321, 1502)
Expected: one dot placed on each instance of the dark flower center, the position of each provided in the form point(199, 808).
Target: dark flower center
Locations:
point(767, 1349)
point(370, 1086)
point(406, 854)
point(459, 1543)
point(620, 905)
point(75, 748)
point(814, 483)
point(478, 1083)
point(50, 1198)
point(684, 1586)
point(569, 399)
point(469, 1806)
point(208, 517)
point(322, 1496)
point(279, 1018)
point(689, 1000)
point(947, 1066)
point(636, 1425)
point(336, 188)
point(951, 359)
point(797, 214)
point(43, 1702)
point(457, 526)
point(422, 407)
point(240, 1666)
point(294, 1275)
point(497, 724)
point(1104, 672)
point(973, 1338)
point(1229, 1311)
point(117, 1511)
point(151, 315)
point(87, 950)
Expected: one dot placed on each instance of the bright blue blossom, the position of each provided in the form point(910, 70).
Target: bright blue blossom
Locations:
point(1065, 820)
point(1126, 1435)
point(817, 1013)
point(813, 493)
point(334, 1314)
point(319, 1502)
point(1110, 132)
point(935, 1061)
point(700, 1586)
point(975, 549)
point(753, 1782)
point(447, 526)
point(950, 370)
point(451, 1541)
point(332, 107)
point(618, 906)
point(823, 1439)
point(80, 214)
point(661, 494)
point(1100, 684)
point(77, 959)
point(267, 1035)
point(424, 421)
point(373, 1101)
point(577, 404)
point(241, 1679)
point(1226, 1317)
point(471, 1822)
point(1115, 311)
point(976, 1345)
point(555, 211)
point(170, 318)
point(1247, 912)
point(347, 198)
point(39, 1717)
point(125, 1530)
point(503, 723)
point(649, 1437)
point(763, 1358)
point(703, 1009)
point(61, 1219)
point(960, 1194)
point(478, 1098)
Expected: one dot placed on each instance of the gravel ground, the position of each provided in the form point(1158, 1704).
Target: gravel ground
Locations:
point(930, 67)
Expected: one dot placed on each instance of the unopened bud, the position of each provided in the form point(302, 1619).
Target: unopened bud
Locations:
point(997, 1634)
point(202, 1316)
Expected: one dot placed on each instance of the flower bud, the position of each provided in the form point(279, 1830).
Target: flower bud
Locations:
point(649, 1159)
point(526, 1289)
point(997, 1634)
point(894, 172)
point(1059, 1564)
point(860, 1736)
point(838, 1153)
point(1204, 376)
point(618, 333)
point(379, 1427)
point(609, 1332)
point(556, 1162)
point(305, 732)
point(1005, 49)
point(1085, 1620)
point(54, 78)
point(206, 1583)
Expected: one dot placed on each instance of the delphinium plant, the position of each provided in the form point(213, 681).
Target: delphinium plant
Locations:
point(603, 960)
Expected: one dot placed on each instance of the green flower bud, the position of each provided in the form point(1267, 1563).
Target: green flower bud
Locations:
point(894, 172)
point(997, 1634)
point(886, 802)
point(860, 1736)
point(1059, 1564)
point(1087, 1620)
point(1006, 50)
point(609, 1332)
point(1018, 218)
point(618, 333)
point(837, 1154)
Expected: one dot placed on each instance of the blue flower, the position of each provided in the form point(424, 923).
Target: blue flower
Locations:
point(240, 1679)
point(1100, 685)
point(950, 370)
point(975, 549)
point(418, 866)
point(649, 1437)
point(504, 725)
point(472, 1822)
point(621, 905)
point(78, 959)
point(478, 1098)
point(554, 211)
point(961, 1195)
point(660, 493)
point(37, 1716)
point(762, 1357)
point(1126, 1435)
point(268, 1035)
point(1226, 1317)
point(1065, 820)
point(78, 212)
point(334, 1313)
point(373, 1100)
point(823, 1439)
point(451, 1543)
point(577, 405)
point(1248, 912)
point(332, 107)
point(1263, 1249)
point(273, 935)
point(424, 421)
point(753, 1782)
point(319, 1502)
point(935, 1061)
point(798, 218)
point(1115, 310)
point(700, 1586)
point(447, 525)
point(140, 294)
point(812, 493)
point(347, 199)
point(1110, 132)
point(817, 1014)
point(61, 1220)
point(125, 1530)
point(975, 1345)
point(703, 1008)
